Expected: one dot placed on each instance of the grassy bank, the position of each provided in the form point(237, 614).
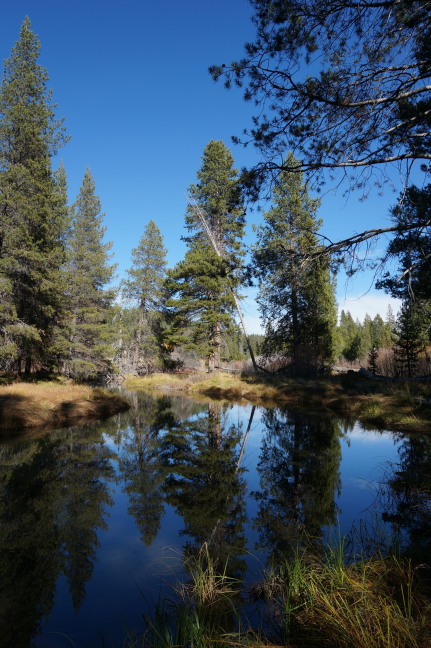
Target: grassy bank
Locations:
point(35, 405)
point(396, 406)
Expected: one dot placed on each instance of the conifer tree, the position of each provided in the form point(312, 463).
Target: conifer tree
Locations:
point(373, 355)
point(297, 302)
point(200, 286)
point(90, 300)
point(31, 218)
point(411, 335)
point(145, 287)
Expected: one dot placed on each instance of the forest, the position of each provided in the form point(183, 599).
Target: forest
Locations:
point(287, 508)
point(62, 313)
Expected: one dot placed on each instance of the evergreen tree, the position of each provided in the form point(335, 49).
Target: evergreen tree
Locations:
point(381, 333)
point(296, 301)
point(390, 320)
point(412, 247)
point(201, 285)
point(411, 336)
point(299, 481)
point(32, 219)
point(366, 335)
point(373, 355)
point(89, 272)
point(145, 286)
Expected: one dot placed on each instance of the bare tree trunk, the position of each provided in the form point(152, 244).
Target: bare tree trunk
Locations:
point(295, 332)
point(217, 345)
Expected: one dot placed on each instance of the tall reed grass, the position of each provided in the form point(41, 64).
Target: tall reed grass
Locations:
point(305, 600)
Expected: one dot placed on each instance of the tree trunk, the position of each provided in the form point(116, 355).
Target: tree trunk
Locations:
point(27, 369)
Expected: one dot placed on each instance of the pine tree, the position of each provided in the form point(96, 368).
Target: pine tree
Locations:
point(145, 287)
point(90, 301)
point(296, 301)
point(411, 336)
point(201, 285)
point(412, 248)
point(373, 355)
point(32, 219)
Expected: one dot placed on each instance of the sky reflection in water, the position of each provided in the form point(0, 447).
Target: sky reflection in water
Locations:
point(94, 520)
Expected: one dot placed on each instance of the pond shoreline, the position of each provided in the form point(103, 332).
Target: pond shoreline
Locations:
point(37, 405)
point(399, 406)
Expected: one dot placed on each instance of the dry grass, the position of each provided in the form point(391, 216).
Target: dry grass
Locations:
point(393, 406)
point(35, 405)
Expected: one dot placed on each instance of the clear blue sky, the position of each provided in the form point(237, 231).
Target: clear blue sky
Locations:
point(131, 81)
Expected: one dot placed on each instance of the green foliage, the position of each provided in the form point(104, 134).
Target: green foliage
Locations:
point(373, 354)
point(145, 288)
point(200, 286)
point(296, 299)
point(145, 283)
point(33, 218)
point(412, 335)
point(356, 340)
point(90, 301)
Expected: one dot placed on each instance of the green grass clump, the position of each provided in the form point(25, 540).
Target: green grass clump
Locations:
point(374, 603)
point(306, 600)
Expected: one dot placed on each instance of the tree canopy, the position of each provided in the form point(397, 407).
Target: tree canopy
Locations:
point(343, 84)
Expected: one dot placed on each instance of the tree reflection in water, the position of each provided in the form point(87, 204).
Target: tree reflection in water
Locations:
point(53, 500)
point(140, 464)
point(205, 485)
point(55, 493)
point(299, 478)
point(405, 495)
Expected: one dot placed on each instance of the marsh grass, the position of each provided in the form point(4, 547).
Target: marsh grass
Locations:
point(40, 404)
point(209, 586)
point(333, 600)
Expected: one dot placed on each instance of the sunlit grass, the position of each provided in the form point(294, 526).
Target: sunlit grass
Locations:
point(397, 406)
point(30, 405)
point(376, 602)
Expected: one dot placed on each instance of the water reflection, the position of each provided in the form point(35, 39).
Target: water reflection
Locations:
point(141, 467)
point(54, 495)
point(406, 495)
point(205, 486)
point(299, 480)
point(100, 503)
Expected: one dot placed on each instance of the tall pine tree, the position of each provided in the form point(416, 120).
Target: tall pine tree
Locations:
point(90, 299)
point(201, 285)
point(32, 220)
point(296, 300)
point(145, 288)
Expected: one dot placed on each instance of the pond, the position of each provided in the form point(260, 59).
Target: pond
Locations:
point(95, 520)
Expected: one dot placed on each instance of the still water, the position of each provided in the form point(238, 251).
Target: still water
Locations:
point(94, 520)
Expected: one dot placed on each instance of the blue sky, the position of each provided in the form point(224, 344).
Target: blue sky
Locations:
point(131, 81)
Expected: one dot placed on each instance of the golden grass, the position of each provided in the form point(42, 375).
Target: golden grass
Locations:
point(380, 405)
point(35, 405)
